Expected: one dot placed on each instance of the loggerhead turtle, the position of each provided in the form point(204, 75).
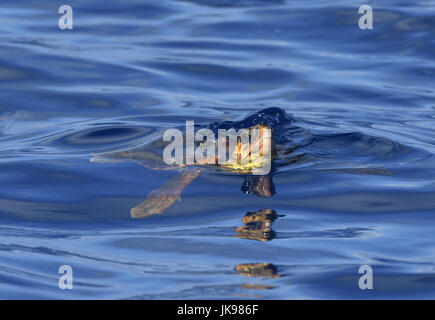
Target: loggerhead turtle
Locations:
point(150, 156)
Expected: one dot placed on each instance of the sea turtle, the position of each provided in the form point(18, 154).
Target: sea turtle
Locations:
point(150, 156)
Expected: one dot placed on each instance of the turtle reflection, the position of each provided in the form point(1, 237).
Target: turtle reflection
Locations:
point(258, 225)
point(262, 269)
point(267, 270)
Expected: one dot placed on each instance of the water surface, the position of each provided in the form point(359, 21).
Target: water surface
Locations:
point(357, 186)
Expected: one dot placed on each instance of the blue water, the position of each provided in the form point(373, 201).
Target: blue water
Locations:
point(357, 185)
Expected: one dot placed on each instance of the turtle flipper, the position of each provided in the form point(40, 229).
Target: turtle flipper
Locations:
point(164, 196)
point(142, 156)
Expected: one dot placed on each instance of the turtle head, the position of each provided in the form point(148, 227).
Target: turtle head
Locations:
point(254, 150)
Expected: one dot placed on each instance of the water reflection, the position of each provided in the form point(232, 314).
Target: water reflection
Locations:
point(263, 269)
point(258, 225)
